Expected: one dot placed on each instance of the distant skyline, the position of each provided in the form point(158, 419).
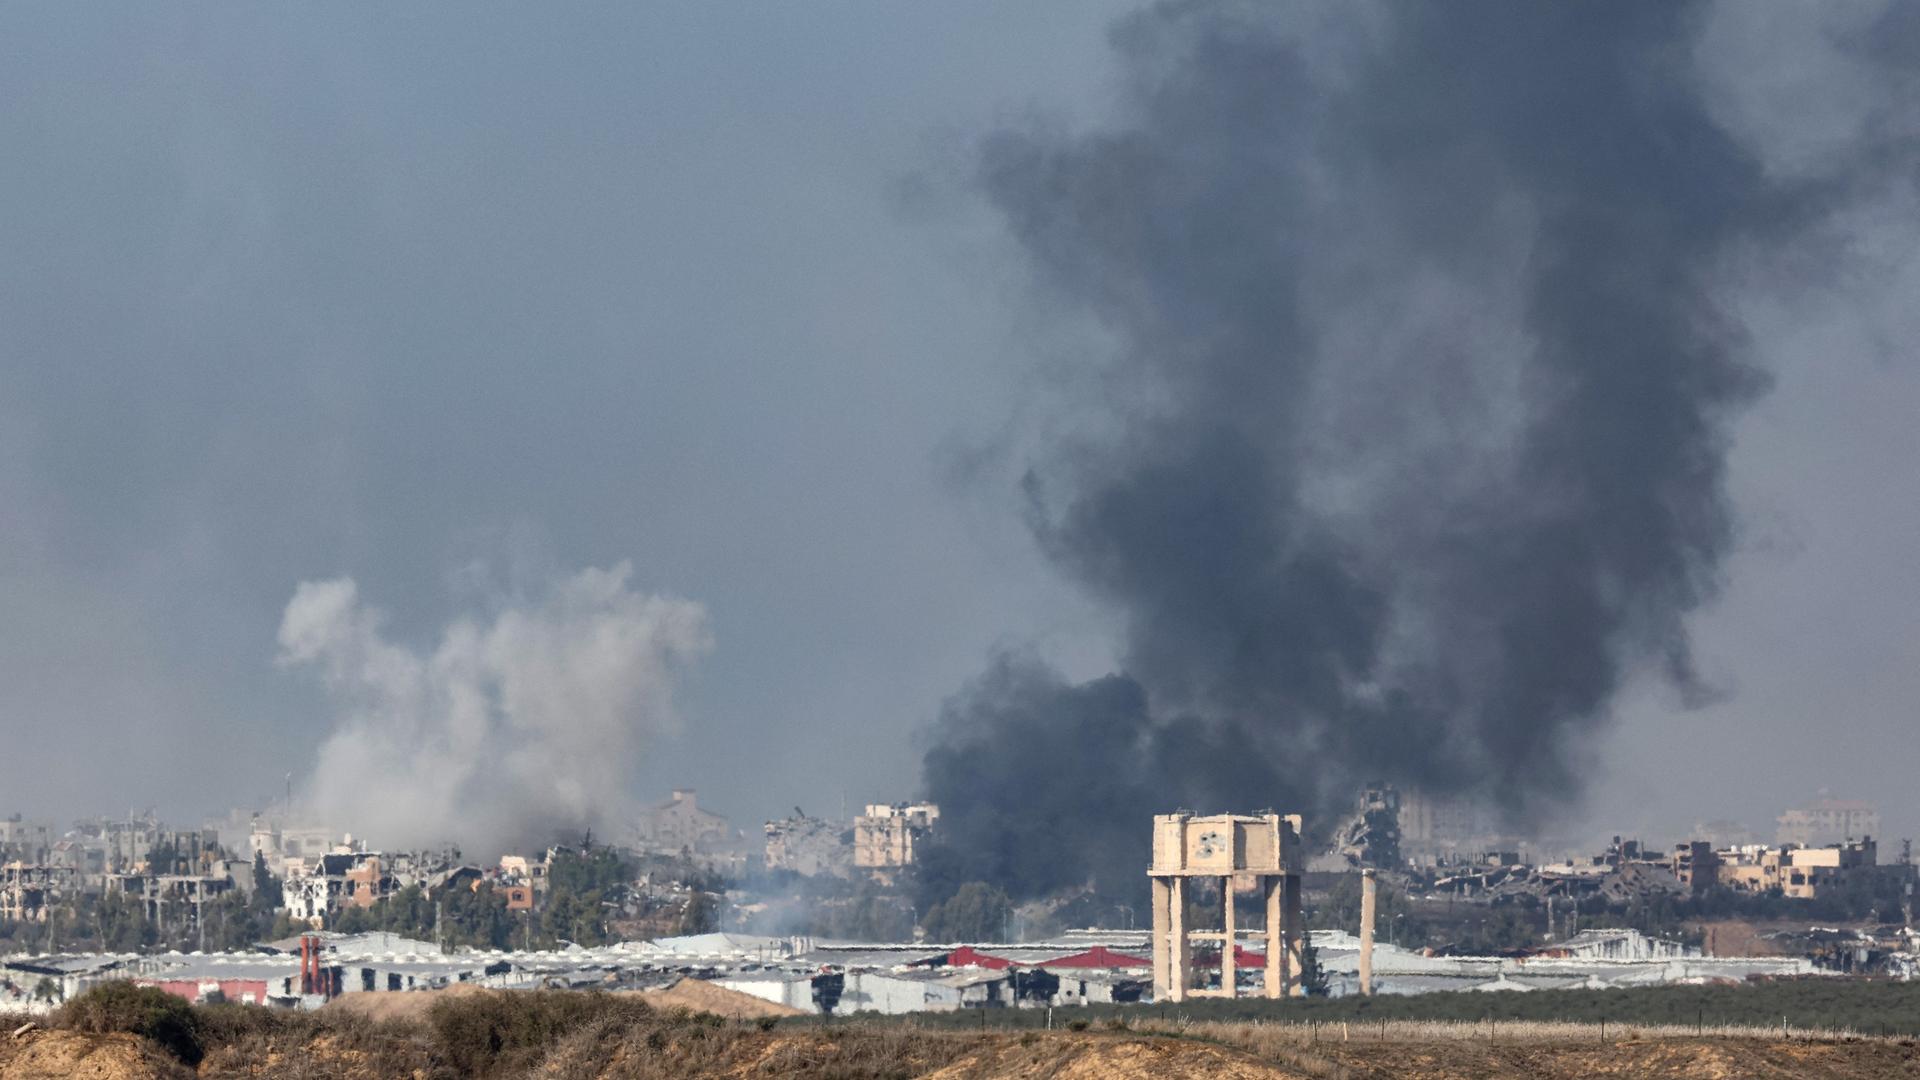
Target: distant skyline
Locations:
point(461, 308)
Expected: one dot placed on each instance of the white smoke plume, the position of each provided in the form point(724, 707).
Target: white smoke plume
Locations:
point(518, 727)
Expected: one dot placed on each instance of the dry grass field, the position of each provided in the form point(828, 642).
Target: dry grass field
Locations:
point(123, 1034)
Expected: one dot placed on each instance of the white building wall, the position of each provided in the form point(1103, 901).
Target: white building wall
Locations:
point(793, 993)
point(872, 991)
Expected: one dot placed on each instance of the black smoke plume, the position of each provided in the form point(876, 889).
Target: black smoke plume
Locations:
point(1410, 442)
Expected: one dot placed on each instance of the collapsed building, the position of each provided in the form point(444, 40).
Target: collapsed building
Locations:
point(1369, 837)
point(173, 899)
point(809, 846)
point(86, 854)
point(881, 842)
point(318, 889)
point(172, 880)
point(29, 891)
point(1628, 870)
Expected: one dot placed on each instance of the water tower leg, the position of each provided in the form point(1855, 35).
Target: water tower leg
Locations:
point(1368, 888)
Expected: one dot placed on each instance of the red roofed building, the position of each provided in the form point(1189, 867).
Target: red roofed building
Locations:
point(968, 956)
point(1099, 957)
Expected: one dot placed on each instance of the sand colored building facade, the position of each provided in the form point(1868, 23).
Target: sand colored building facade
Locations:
point(886, 836)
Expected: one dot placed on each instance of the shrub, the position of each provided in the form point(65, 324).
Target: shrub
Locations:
point(137, 1010)
point(493, 1033)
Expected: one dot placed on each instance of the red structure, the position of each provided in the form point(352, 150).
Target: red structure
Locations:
point(314, 977)
point(1242, 958)
point(968, 956)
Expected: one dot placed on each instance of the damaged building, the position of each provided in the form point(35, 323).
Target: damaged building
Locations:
point(172, 899)
point(681, 828)
point(25, 841)
point(886, 836)
point(1369, 837)
point(1827, 821)
point(681, 824)
point(810, 846)
point(1797, 872)
point(1435, 830)
point(318, 889)
point(123, 843)
point(1629, 870)
point(28, 891)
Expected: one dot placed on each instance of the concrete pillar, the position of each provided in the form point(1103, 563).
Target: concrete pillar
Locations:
point(1177, 939)
point(1368, 888)
point(1229, 970)
point(1162, 944)
point(1276, 943)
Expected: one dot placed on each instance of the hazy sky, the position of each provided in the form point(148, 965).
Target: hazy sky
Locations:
point(458, 302)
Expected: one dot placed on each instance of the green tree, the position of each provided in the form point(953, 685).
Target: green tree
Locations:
point(976, 911)
point(600, 870)
point(701, 915)
point(1313, 981)
point(870, 915)
point(572, 916)
point(268, 894)
point(479, 918)
point(353, 919)
point(123, 924)
point(407, 912)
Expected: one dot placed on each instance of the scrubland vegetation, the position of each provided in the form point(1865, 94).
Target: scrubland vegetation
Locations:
point(1830, 1027)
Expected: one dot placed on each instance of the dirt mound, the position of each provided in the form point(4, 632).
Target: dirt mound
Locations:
point(1100, 1058)
point(398, 1004)
point(706, 997)
point(45, 1055)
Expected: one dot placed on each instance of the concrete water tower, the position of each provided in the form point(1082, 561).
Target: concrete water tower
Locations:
point(1226, 847)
